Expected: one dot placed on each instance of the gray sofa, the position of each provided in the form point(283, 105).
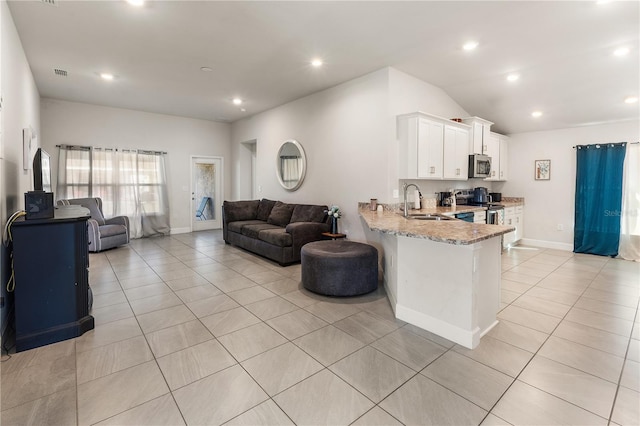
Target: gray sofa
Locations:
point(273, 229)
point(103, 233)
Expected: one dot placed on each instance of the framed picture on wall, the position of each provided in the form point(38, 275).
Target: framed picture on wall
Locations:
point(543, 169)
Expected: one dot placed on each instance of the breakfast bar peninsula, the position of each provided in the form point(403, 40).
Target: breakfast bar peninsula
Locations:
point(441, 274)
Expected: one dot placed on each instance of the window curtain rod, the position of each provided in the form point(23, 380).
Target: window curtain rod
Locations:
point(76, 147)
point(88, 148)
point(607, 143)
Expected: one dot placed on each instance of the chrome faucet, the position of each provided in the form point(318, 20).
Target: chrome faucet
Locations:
point(405, 187)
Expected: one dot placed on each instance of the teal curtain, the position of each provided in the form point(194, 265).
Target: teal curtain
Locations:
point(598, 200)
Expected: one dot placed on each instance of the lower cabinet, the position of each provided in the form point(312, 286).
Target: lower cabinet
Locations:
point(51, 260)
point(480, 217)
point(513, 216)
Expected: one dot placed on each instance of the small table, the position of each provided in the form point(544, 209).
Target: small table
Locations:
point(334, 236)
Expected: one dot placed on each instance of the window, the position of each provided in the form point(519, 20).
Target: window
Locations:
point(129, 182)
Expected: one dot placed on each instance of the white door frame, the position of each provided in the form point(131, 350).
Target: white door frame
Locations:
point(217, 203)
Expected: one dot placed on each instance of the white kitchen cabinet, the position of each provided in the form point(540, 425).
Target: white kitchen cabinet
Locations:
point(503, 167)
point(480, 216)
point(422, 147)
point(430, 149)
point(519, 223)
point(493, 151)
point(480, 129)
point(513, 216)
point(497, 149)
point(456, 153)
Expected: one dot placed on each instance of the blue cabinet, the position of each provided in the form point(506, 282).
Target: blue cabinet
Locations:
point(50, 261)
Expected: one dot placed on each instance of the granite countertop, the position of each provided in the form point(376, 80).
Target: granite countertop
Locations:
point(512, 201)
point(447, 231)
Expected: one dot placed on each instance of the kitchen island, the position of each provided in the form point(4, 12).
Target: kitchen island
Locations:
point(441, 275)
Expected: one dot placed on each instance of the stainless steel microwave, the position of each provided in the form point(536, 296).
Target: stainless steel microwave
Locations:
point(479, 166)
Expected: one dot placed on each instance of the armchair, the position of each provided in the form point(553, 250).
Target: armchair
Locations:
point(103, 233)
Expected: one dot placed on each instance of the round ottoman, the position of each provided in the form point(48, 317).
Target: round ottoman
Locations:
point(339, 267)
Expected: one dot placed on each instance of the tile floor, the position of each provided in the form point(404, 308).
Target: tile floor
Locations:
point(192, 331)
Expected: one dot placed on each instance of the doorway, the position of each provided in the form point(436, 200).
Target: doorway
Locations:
point(206, 193)
point(247, 186)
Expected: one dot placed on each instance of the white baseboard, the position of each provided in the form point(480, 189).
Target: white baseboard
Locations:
point(547, 244)
point(185, 230)
point(467, 338)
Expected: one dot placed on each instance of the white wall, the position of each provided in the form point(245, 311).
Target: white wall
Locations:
point(344, 134)
point(349, 135)
point(550, 203)
point(75, 123)
point(20, 108)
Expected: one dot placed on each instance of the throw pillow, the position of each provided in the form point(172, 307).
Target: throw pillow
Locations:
point(281, 214)
point(309, 213)
point(264, 209)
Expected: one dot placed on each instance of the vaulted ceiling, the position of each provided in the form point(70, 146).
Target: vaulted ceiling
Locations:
point(260, 52)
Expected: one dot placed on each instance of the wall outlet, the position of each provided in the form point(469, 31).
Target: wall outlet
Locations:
point(259, 188)
point(396, 193)
point(560, 227)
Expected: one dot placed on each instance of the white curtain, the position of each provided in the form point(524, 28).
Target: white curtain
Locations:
point(74, 172)
point(153, 204)
point(129, 182)
point(630, 218)
point(291, 167)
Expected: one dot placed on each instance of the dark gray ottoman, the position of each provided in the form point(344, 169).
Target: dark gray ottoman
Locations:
point(339, 267)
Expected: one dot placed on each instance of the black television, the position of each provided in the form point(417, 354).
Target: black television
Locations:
point(42, 171)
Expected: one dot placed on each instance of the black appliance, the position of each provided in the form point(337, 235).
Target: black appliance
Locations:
point(496, 197)
point(444, 199)
point(480, 196)
point(38, 204)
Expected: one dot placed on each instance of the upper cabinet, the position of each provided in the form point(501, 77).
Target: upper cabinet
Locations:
point(432, 147)
point(480, 130)
point(456, 153)
point(497, 149)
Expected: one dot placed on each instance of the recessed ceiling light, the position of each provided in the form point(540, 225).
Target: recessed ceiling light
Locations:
point(631, 100)
point(470, 45)
point(621, 51)
point(243, 110)
point(206, 69)
point(536, 114)
point(237, 101)
point(136, 3)
point(316, 63)
point(513, 77)
point(106, 76)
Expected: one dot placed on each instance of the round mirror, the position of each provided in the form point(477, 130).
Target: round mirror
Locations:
point(291, 165)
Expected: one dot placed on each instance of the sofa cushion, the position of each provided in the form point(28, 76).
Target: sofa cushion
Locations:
point(264, 209)
point(241, 210)
point(239, 224)
point(309, 213)
point(281, 214)
point(111, 230)
point(252, 231)
point(278, 237)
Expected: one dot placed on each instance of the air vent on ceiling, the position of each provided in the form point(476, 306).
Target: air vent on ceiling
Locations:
point(50, 2)
point(59, 72)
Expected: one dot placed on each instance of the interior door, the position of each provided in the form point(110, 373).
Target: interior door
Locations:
point(206, 193)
